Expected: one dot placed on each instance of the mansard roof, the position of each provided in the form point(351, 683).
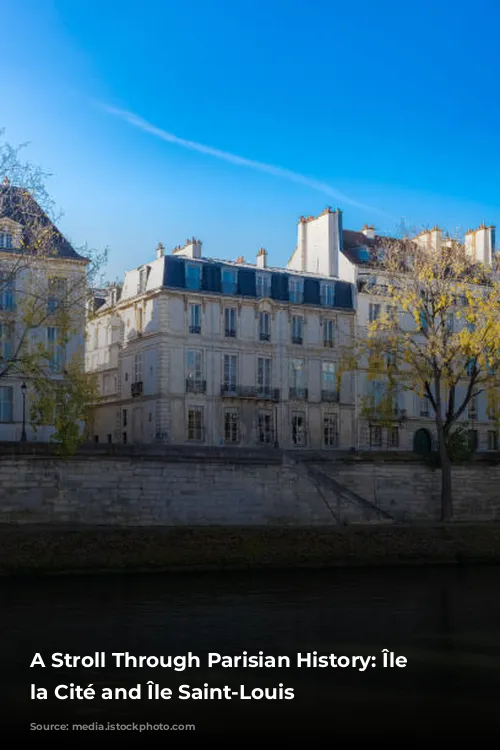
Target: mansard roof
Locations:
point(18, 205)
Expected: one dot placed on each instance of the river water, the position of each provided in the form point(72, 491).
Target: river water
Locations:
point(444, 621)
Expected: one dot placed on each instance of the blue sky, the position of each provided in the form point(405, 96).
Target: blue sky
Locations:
point(392, 106)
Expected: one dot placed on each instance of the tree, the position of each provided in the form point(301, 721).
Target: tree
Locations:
point(45, 289)
point(439, 337)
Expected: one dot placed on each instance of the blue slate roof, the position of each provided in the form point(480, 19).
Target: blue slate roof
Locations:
point(174, 277)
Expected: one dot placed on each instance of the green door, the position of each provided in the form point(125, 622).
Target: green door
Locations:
point(422, 442)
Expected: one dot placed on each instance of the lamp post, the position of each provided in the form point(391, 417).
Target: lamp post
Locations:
point(23, 431)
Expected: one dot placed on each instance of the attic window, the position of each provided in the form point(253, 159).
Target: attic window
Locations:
point(5, 240)
point(143, 279)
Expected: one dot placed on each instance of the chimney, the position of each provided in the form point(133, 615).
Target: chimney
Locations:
point(192, 249)
point(262, 258)
point(319, 243)
point(240, 259)
point(436, 238)
point(369, 231)
point(480, 244)
point(160, 250)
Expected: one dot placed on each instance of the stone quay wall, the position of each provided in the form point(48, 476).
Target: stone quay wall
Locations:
point(169, 486)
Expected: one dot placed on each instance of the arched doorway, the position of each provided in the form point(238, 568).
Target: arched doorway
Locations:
point(422, 441)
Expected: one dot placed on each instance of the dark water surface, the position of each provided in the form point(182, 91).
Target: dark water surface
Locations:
point(445, 621)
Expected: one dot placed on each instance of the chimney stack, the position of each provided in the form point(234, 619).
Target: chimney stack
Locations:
point(369, 231)
point(480, 244)
point(240, 259)
point(160, 250)
point(192, 249)
point(262, 258)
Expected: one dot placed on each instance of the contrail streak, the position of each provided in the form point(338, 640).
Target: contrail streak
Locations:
point(240, 161)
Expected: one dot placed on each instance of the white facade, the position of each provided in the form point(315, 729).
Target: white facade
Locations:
point(189, 365)
point(21, 276)
point(412, 412)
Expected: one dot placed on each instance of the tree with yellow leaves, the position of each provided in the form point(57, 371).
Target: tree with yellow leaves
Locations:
point(439, 339)
point(45, 290)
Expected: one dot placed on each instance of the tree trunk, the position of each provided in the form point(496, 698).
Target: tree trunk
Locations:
point(446, 497)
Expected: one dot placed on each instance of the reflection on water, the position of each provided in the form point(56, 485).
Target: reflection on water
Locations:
point(445, 621)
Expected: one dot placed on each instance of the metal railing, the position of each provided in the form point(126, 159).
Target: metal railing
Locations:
point(330, 395)
point(232, 390)
point(195, 386)
point(299, 394)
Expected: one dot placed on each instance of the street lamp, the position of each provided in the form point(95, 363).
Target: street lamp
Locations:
point(23, 431)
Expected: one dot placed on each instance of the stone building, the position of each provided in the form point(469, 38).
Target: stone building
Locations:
point(413, 426)
point(197, 350)
point(39, 272)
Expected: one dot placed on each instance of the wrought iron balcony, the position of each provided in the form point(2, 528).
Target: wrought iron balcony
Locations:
point(297, 339)
point(195, 386)
point(328, 343)
point(194, 329)
point(265, 336)
point(299, 394)
point(330, 394)
point(136, 388)
point(232, 390)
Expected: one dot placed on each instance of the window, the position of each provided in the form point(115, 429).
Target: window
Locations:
point(195, 423)
point(394, 437)
point(194, 366)
point(230, 322)
point(492, 440)
point(424, 404)
point(6, 291)
point(265, 428)
point(230, 371)
point(472, 408)
point(6, 341)
point(328, 377)
point(5, 240)
point(374, 312)
point(124, 438)
point(138, 367)
point(299, 428)
point(375, 436)
point(297, 374)
point(264, 326)
point(143, 280)
point(295, 289)
point(138, 319)
point(6, 400)
point(264, 373)
point(194, 318)
point(124, 418)
point(328, 333)
point(55, 350)
point(327, 295)
point(473, 439)
point(263, 285)
point(57, 295)
point(329, 430)
point(297, 329)
point(228, 281)
point(193, 276)
point(231, 426)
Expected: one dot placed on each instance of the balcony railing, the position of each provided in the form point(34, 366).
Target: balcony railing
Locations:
point(265, 336)
point(232, 390)
point(195, 386)
point(194, 329)
point(328, 343)
point(297, 339)
point(230, 333)
point(331, 395)
point(299, 394)
point(136, 388)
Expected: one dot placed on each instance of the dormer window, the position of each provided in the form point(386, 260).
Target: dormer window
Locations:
point(5, 240)
point(228, 281)
point(193, 276)
point(327, 295)
point(263, 284)
point(295, 289)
